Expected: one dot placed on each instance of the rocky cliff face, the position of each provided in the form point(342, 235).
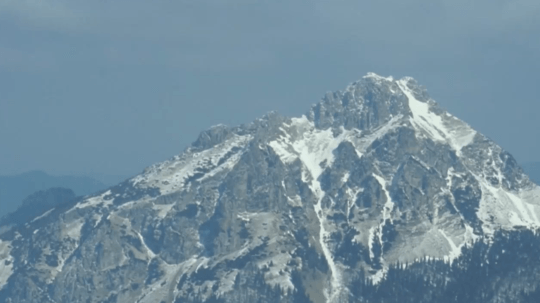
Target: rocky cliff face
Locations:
point(375, 195)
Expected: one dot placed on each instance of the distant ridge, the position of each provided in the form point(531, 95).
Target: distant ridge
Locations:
point(15, 188)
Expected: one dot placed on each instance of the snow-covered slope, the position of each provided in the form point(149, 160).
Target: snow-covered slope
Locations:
point(372, 179)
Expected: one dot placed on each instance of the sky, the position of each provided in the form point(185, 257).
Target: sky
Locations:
point(110, 87)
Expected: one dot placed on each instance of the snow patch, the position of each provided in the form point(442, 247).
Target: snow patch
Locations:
point(377, 77)
point(379, 276)
point(170, 176)
point(73, 229)
point(98, 217)
point(352, 196)
point(371, 238)
point(226, 166)
point(422, 117)
point(446, 128)
point(295, 201)
point(455, 251)
point(504, 209)
point(285, 152)
point(95, 201)
point(301, 140)
point(43, 215)
point(312, 147)
point(162, 209)
point(345, 177)
point(388, 205)
point(149, 252)
point(323, 235)
point(245, 216)
point(377, 231)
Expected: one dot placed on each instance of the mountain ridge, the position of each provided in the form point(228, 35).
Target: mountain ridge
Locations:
point(15, 188)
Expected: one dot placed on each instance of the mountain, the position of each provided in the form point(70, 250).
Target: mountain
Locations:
point(15, 188)
point(376, 194)
point(37, 204)
point(533, 170)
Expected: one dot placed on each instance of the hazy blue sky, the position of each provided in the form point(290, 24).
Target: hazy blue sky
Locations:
point(113, 86)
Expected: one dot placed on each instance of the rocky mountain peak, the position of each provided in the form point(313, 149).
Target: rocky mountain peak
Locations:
point(373, 184)
point(368, 103)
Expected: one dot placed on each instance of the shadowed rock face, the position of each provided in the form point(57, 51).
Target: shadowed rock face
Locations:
point(376, 187)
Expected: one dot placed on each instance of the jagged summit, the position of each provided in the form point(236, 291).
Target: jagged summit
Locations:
point(372, 181)
point(374, 101)
point(364, 104)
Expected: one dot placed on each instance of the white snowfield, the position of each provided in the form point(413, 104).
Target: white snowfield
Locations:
point(97, 200)
point(444, 128)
